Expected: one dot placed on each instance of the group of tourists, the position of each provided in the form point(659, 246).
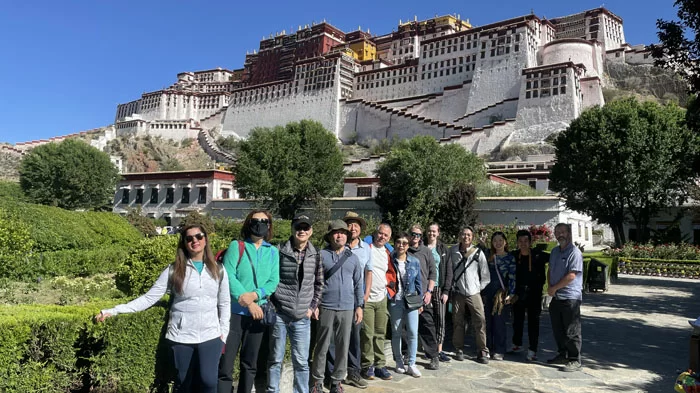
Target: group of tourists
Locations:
point(348, 293)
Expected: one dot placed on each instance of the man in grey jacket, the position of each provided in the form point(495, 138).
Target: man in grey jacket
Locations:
point(471, 275)
point(426, 319)
point(341, 306)
point(296, 299)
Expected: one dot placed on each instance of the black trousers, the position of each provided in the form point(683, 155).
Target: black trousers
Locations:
point(532, 305)
point(426, 331)
point(566, 326)
point(354, 351)
point(201, 359)
point(245, 334)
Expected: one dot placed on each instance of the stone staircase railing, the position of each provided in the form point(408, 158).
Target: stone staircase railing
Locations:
point(212, 148)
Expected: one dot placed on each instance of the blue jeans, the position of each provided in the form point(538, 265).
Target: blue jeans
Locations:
point(400, 317)
point(300, 337)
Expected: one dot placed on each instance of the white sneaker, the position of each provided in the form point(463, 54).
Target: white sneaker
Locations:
point(400, 368)
point(531, 355)
point(497, 356)
point(413, 371)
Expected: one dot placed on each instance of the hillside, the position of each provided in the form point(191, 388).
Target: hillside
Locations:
point(151, 154)
point(646, 83)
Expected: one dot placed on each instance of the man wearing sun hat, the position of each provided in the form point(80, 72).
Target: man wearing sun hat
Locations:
point(341, 306)
point(356, 225)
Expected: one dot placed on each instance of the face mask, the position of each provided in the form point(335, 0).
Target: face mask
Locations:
point(258, 229)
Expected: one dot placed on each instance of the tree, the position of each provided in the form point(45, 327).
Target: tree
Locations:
point(70, 174)
point(625, 160)
point(417, 175)
point(288, 166)
point(679, 49)
point(457, 208)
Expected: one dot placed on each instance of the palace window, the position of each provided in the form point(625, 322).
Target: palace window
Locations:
point(139, 196)
point(202, 198)
point(364, 192)
point(125, 195)
point(185, 195)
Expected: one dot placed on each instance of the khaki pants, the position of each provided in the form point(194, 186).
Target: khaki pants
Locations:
point(460, 305)
point(374, 323)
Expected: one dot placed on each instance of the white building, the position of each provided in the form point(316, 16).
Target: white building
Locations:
point(173, 195)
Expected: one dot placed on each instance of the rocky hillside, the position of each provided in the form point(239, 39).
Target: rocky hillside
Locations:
point(150, 154)
point(9, 165)
point(646, 82)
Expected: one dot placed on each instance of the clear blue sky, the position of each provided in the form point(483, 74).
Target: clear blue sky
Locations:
point(65, 65)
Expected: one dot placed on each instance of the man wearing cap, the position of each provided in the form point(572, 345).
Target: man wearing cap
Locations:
point(426, 319)
point(376, 313)
point(297, 297)
point(341, 306)
point(361, 250)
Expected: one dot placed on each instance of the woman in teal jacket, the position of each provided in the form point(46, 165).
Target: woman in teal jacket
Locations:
point(257, 257)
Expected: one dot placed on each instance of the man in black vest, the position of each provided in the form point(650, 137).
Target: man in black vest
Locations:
point(529, 281)
point(296, 299)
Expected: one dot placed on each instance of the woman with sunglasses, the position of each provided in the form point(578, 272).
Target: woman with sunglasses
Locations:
point(253, 272)
point(199, 312)
point(403, 278)
point(498, 294)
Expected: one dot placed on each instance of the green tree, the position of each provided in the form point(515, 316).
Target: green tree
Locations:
point(199, 219)
point(144, 224)
point(70, 174)
point(285, 167)
point(623, 161)
point(457, 208)
point(679, 48)
point(417, 175)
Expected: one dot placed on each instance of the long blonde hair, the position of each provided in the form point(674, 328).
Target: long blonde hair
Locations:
point(183, 255)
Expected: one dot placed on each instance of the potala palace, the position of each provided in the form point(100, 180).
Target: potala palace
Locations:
point(517, 80)
point(484, 87)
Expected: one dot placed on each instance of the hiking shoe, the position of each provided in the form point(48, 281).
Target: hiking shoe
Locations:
point(337, 387)
point(443, 357)
point(368, 373)
point(413, 371)
point(516, 349)
point(483, 359)
point(354, 379)
point(531, 355)
point(317, 387)
point(459, 355)
point(497, 356)
point(383, 373)
point(559, 360)
point(434, 364)
point(571, 366)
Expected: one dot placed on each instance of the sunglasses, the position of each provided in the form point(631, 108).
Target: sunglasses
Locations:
point(304, 228)
point(259, 220)
point(415, 234)
point(401, 243)
point(198, 236)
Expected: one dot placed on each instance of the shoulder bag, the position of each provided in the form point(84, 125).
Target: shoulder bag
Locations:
point(269, 315)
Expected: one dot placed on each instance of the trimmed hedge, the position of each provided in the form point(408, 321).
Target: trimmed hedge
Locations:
point(70, 263)
point(659, 267)
point(54, 229)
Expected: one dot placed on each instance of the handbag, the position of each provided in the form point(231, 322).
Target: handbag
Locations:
point(413, 301)
point(269, 314)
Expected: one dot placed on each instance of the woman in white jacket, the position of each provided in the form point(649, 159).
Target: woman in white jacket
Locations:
point(200, 310)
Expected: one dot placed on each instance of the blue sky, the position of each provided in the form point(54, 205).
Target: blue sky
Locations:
point(65, 65)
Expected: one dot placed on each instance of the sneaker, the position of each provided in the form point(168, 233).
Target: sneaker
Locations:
point(497, 356)
point(531, 355)
point(571, 366)
point(443, 357)
point(354, 379)
point(383, 373)
point(516, 348)
point(559, 359)
point(459, 355)
point(317, 387)
point(434, 364)
point(368, 373)
point(483, 359)
point(413, 371)
point(400, 367)
point(337, 387)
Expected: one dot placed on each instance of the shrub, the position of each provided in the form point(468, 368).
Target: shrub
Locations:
point(71, 263)
point(144, 224)
point(145, 263)
point(53, 228)
point(196, 218)
point(680, 251)
point(15, 236)
point(356, 173)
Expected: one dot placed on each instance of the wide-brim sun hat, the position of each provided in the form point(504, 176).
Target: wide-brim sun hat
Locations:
point(352, 216)
point(336, 225)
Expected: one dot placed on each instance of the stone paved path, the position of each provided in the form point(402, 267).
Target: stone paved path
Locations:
point(635, 339)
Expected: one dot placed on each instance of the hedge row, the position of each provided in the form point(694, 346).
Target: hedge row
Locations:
point(70, 263)
point(54, 229)
point(659, 267)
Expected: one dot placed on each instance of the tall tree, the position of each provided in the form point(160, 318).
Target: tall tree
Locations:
point(70, 174)
point(285, 167)
point(679, 47)
point(623, 161)
point(417, 175)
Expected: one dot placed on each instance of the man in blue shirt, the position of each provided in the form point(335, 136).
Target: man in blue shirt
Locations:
point(565, 288)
